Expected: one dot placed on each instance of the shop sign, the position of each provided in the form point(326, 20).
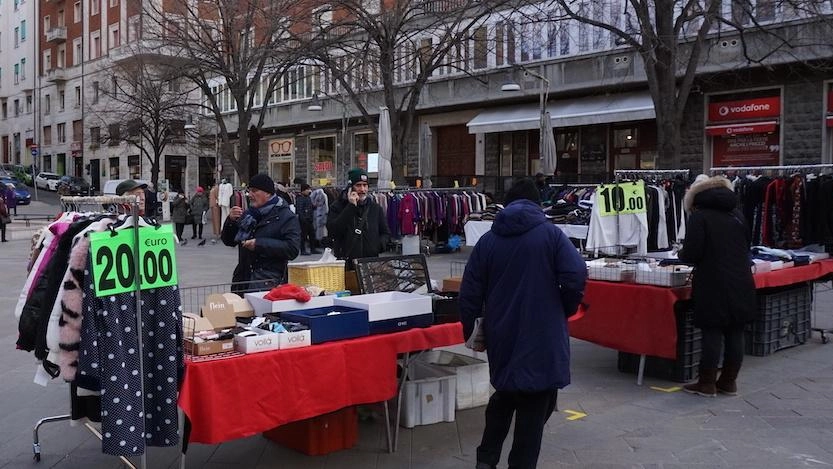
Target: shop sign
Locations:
point(622, 198)
point(746, 109)
point(758, 149)
point(830, 121)
point(281, 147)
point(323, 166)
point(830, 100)
point(740, 129)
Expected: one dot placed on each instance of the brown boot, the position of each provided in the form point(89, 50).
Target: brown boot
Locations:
point(727, 384)
point(705, 383)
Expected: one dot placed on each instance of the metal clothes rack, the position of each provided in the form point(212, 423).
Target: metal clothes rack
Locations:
point(114, 204)
point(799, 168)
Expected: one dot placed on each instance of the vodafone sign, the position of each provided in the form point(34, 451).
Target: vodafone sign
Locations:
point(746, 109)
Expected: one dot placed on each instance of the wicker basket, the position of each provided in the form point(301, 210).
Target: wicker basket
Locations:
point(327, 275)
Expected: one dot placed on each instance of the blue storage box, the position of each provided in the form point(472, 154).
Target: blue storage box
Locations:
point(400, 324)
point(350, 323)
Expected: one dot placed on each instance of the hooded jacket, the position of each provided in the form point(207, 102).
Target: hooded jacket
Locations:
point(717, 244)
point(357, 230)
point(530, 278)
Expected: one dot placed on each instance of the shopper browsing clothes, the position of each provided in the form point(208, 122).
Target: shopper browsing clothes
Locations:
point(5, 219)
point(717, 244)
point(268, 236)
point(199, 207)
point(304, 209)
point(530, 278)
point(128, 188)
point(356, 223)
point(180, 216)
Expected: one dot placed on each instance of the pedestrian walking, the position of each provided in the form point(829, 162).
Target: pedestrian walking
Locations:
point(11, 198)
point(180, 216)
point(356, 223)
point(199, 208)
point(305, 210)
point(717, 243)
point(4, 218)
point(530, 279)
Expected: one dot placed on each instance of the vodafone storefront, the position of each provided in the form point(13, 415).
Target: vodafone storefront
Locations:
point(744, 132)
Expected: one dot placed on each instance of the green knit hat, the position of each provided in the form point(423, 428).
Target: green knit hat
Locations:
point(356, 175)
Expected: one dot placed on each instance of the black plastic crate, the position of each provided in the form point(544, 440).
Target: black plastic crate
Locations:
point(689, 346)
point(783, 320)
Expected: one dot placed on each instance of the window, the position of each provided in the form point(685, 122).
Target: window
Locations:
point(76, 12)
point(77, 52)
point(16, 74)
point(22, 69)
point(134, 28)
point(114, 3)
point(499, 33)
point(115, 134)
point(62, 101)
point(77, 96)
point(115, 88)
point(47, 135)
point(16, 107)
point(22, 30)
point(28, 104)
point(95, 92)
point(95, 136)
point(322, 158)
point(5, 110)
point(16, 36)
point(134, 166)
point(62, 133)
point(115, 39)
point(94, 7)
point(62, 56)
point(77, 130)
point(61, 20)
point(114, 168)
point(480, 48)
point(47, 60)
point(47, 104)
point(95, 45)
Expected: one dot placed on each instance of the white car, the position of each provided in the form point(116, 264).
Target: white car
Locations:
point(48, 181)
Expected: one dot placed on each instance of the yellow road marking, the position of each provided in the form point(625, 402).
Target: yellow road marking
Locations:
point(575, 415)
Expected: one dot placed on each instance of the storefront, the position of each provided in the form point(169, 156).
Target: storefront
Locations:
point(366, 153)
point(828, 121)
point(322, 160)
point(743, 129)
point(281, 156)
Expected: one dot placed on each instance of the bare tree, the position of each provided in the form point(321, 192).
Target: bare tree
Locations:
point(232, 48)
point(384, 53)
point(673, 36)
point(147, 106)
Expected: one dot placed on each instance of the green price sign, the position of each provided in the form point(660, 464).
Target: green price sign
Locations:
point(114, 268)
point(625, 197)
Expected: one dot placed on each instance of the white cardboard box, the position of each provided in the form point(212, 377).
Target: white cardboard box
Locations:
point(262, 306)
point(295, 339)
point(473, 388)
point(388, 305)
point(428, 396)
point(262, 342)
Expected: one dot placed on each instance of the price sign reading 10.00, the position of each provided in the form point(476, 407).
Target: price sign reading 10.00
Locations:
point(622, 198)
point(114, 268)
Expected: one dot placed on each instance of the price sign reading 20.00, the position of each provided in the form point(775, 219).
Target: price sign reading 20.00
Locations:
point(114, 268)
point(622, 198)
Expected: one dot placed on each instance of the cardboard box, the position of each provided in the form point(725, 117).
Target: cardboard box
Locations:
point(208, 347)
point(388, 305)
point(325, 326)
point(452, 284)
point(218, 313)
point(262, 342)
point(228, 305)
point(261, 306)
point(298, 339)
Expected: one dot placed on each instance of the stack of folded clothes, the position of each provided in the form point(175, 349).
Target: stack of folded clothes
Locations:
point(487, 214)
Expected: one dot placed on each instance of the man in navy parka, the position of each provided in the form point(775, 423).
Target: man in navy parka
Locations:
point(525, 278)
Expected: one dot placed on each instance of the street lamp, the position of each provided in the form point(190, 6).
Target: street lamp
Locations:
point(316, 106)
point(543, 96)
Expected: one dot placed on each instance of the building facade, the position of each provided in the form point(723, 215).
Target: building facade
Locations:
point(18, 76)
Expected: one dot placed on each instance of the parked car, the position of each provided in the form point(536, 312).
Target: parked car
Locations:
point(47, 181)
point(73, 185)
point(21, 193)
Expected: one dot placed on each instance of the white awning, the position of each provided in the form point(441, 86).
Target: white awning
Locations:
point(621, 107)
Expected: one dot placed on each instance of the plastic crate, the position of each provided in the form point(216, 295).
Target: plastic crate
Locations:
point(319, 435)
point(429, 395)
point(689, 347)
point(327, 275)
point(783, 320)
point(473, 388)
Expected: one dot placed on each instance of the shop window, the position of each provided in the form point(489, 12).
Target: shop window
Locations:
point(322, 159)
point(505, 154)
point(366, 152)
point(114, 168)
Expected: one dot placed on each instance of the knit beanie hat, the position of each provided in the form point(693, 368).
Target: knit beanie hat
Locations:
point(523, 189)
point(304, 187)
point(262, 182)
point(356, 175)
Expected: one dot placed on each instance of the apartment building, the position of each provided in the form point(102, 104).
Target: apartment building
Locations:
point(17, 80)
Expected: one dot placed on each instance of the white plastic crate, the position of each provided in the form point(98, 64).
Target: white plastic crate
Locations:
point(612, 270)
point(473, 388)
point(669, 276)
point(429, 395)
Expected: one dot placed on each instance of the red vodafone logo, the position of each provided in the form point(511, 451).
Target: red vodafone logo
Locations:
point(768, 107)
point(724, 111)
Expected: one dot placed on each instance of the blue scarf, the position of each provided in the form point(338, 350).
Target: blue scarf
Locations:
point(251, 217)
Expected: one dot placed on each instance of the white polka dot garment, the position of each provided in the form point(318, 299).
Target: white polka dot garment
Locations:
point(109, 352)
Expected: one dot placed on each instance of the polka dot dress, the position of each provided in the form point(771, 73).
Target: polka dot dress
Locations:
point(109, 351)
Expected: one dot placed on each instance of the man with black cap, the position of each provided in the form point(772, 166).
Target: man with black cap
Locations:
point(268, 236)
point(130, 187)
point(356, 223)
point(530, 279)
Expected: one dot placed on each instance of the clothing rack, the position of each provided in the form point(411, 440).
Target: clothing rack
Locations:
point(113, 202)
point(432, 189)
point(800, 168)
point(650, 172)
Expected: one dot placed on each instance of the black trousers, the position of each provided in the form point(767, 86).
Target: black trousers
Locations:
point(307, 235)
point(196, 230)
point(730, 339)
point(180, 228)
point(531, 411)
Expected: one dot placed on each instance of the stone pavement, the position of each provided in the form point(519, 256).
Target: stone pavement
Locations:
point(783, 417)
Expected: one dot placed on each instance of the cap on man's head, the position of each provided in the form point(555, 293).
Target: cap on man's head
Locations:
point(356, 175)
point(262, 182)
point(128, 185)
point(304, 187)
point(523, 189)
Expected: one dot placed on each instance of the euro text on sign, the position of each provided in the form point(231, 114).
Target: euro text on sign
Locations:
point(620, 198)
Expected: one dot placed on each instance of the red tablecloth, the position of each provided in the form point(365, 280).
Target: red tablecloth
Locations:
point(640, 318)
point(243, 396)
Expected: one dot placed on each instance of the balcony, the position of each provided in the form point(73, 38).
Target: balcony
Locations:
point(56, 35)
point(56, 75)
point(148, 51)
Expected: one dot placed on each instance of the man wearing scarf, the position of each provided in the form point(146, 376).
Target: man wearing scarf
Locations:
point(268, 236)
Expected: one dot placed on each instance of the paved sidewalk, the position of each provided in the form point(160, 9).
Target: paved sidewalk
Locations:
point(783, 417)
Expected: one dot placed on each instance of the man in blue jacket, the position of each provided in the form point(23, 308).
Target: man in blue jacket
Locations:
point(530, 279)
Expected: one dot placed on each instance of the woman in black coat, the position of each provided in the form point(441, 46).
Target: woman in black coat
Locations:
point(717, 244)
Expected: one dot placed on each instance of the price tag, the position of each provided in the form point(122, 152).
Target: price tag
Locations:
point(622, 198)
point(114, 268)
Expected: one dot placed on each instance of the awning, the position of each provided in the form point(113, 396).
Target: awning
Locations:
point(830, 121)
point(566, 113)
point(740, 129)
